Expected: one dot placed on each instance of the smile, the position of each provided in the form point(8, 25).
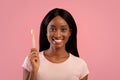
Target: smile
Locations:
point(57, 40)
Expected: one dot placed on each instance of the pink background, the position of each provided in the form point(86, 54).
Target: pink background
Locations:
point(98, 24)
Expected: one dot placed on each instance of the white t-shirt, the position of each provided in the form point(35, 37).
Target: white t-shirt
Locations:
point(74, 68)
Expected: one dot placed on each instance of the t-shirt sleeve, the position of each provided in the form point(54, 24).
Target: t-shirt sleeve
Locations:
point(85, 70)
point(26, 64)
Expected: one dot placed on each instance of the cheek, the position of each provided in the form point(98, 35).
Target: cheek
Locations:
point(49, 35)
point(67, 36)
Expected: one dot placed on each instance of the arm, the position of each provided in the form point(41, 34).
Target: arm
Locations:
point(26, 74)
point(85, 78)
point(29, 76)
point(35, 62)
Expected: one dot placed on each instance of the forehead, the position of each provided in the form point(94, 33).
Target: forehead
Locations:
point(57, 21)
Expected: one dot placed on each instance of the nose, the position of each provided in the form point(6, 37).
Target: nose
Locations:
point(57, 34)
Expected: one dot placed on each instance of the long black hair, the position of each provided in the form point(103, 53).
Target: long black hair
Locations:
point(71, 45)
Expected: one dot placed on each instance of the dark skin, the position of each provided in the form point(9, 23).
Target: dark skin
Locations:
point(85, 78)
point(58, 33)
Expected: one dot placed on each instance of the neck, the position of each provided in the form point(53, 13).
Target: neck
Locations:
point(58, 52)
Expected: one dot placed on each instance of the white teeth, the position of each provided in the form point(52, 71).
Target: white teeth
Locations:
point(58, 40)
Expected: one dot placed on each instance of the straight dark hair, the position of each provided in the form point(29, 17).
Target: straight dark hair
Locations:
point(71, 45)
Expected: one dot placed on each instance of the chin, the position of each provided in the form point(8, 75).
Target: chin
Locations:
point(58, 46)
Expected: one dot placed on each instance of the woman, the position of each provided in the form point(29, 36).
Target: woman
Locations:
point(58, 57)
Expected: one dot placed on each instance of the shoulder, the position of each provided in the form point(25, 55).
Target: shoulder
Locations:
point(41, 53)
point(80, 65)
point(78, 60)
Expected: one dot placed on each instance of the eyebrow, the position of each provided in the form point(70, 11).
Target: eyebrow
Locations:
point(64, 25)
point(61, 25)
point(52, 25)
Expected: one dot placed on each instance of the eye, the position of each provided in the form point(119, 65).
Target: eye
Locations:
point(63, 29)
point(52, 29)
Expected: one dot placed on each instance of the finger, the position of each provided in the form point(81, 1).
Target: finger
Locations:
point(34, 52)
point(33, 57)
point(34, 49)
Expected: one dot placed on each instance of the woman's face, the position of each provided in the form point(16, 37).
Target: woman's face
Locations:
point(58, 32)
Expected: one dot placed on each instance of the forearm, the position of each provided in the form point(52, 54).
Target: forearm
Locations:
point(85, 78)
point(33, 76)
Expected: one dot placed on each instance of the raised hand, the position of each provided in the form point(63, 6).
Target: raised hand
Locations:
point(34, 59)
